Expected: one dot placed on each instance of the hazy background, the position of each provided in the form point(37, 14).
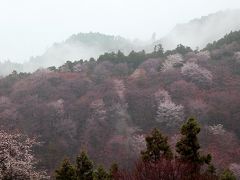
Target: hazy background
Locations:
point(29, 27)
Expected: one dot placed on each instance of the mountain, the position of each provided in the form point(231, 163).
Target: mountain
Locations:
point(83, 46)
point(107, 106)
point(196, 33)
point(199, 32)
point(78, 46)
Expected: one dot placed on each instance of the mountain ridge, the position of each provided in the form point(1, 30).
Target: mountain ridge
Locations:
point(201, 31)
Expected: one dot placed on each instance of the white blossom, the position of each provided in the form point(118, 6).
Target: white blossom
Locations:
point(237, 57)
point(167, 111)
point(16, 157)
point(138, 143)
point(235, 168)
point(217, 129)
point(78, 67)
point(98, 110)
point(162, 96)
point(203, 56)
point(172, 61)
point(151, 66)
point(58, 105)
point(41, 73)
point(4, 101)
point(196, 74)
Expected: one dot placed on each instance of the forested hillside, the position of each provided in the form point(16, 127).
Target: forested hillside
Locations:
point(108, 105)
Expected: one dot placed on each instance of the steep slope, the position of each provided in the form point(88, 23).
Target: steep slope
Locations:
point(199, 32)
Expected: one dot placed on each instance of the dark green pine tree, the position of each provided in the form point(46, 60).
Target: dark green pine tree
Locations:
point(188, 147)
point(84, 167)
point(157, 147)
point(101, 174)
point(66, 171)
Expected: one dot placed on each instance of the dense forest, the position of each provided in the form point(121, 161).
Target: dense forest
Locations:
point(107, 106)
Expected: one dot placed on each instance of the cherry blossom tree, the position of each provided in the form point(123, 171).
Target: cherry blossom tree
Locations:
point(237, 56)
point(16, 158)
point(217, 129)
point(167, 111)
point(172, 61)
point(138, 143)
point(235, 168)
point(203, 56)
point(151, 66)
point(197, 74)
point(58, 106)
point(223, 145)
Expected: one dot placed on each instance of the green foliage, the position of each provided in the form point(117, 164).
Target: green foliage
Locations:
point(84, 170)
point(227, 175)
point(84, 167)
point(106, 42)
point(157, 151)
point(113, 57)
point(67, 67)
point(101, 174)
point(30, 102)
point(134, 59)
point(52, 68)
point(188, 146)
point(158, 50)
point(157, 147)
point(66, 171)
point(227, 39)
point(17, 76)
point(181, 49)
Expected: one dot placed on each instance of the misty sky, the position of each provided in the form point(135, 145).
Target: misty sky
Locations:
point(28, 27)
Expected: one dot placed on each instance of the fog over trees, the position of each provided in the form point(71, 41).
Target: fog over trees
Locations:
point(97, 106)
point(86, 45)
point(107, 106)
